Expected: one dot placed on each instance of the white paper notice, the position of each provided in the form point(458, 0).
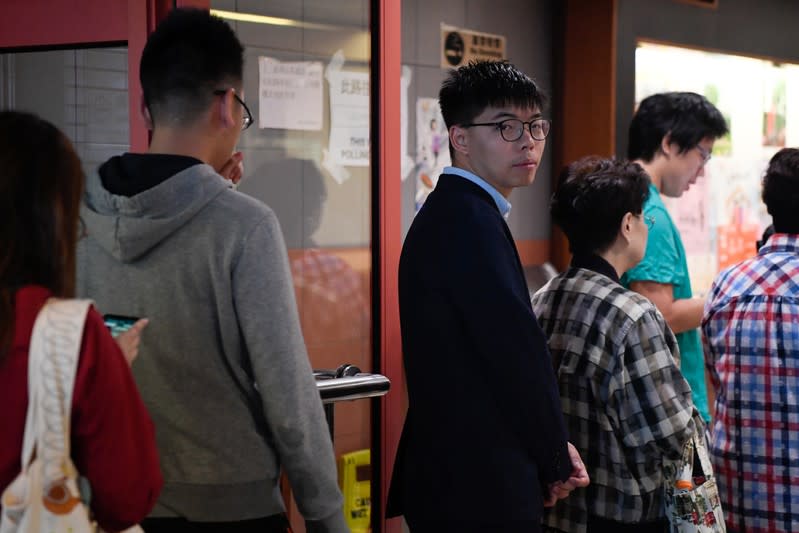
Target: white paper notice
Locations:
point(349, 119)
point(290, 94)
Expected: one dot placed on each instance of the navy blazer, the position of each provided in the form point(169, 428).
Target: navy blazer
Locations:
point(484, 433)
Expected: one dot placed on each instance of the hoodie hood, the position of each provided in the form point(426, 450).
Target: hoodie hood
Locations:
point(129, 226)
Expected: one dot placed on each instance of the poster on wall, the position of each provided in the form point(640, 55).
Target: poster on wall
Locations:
point(289, 94)
point(741, 215)
point(774, 109)
point(459, 46)
point(432, 147)
point(691, 214)
point(722, 216)
point(349, 119)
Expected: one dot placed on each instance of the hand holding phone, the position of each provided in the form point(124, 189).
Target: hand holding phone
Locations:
point(127, 332)
point(117, 324)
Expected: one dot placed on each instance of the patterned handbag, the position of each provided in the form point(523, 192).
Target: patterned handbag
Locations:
point(691, 494)
point(44, 496)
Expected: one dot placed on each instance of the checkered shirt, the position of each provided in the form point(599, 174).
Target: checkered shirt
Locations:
point(626, 404)
point(751, 330)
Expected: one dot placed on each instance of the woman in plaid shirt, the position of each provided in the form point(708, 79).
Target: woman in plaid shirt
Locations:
point(626, 404)
point(751, 329)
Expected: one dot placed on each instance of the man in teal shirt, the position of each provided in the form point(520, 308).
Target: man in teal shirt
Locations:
point(671, 136)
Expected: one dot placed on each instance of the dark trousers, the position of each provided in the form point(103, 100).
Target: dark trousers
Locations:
point(603, 525)
point(443, 526)
point(270, 524)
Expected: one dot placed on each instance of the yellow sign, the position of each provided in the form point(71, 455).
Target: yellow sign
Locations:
point(460, 46)
point(355, 478)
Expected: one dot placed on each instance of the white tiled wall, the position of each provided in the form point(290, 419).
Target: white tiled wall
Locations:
point(84, 92)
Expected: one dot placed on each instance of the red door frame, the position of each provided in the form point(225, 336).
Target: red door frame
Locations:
point(389, 38)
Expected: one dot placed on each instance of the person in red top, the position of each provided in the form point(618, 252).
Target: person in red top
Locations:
point(113, 438)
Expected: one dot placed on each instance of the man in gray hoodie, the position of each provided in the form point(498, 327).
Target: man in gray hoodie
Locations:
point(223, 367)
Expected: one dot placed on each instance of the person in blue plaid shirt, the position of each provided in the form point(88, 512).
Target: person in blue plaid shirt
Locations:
point(627, 407)
point(751, 328)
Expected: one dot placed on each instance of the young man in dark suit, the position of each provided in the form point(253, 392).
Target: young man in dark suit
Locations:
point(484, 447)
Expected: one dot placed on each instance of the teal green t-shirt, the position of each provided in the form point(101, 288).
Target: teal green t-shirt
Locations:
point(665, 262)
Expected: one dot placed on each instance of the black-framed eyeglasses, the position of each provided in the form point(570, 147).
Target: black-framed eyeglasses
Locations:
point(246, 120)
point(704, 154)
point(512, 129)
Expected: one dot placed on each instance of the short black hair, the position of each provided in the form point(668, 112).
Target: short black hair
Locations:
point(593, 194)
point(189, 55)
point(685, 117)
point(469, 90)
point(781, 190)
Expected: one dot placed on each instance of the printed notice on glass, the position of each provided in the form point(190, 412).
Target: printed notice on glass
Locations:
point(290, 94)
point(349, 118)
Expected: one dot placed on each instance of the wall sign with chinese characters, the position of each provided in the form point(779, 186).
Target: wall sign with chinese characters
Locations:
point(349, 119)
point(459, 46)
point(290, 94)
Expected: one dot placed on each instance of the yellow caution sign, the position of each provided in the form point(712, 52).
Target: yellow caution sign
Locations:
point(355, 476)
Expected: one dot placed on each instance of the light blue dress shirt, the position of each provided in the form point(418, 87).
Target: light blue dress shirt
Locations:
point(502, 203)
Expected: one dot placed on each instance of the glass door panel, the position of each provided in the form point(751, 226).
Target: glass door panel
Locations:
point(307, 157)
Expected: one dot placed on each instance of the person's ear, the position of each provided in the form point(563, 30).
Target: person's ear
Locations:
point(459, 139)
point(626, 226)
point(667, 146)
point(225, 109)
point(144, 112)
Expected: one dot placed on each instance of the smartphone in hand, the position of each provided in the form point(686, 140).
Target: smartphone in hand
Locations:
point(117, 324)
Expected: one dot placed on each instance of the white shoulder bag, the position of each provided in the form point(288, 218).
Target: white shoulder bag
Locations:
point(45, 497)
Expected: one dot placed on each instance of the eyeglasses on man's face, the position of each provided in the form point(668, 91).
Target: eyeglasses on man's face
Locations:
point(649, 220)
point(246, 120)
point(704, 154)
point(512, 129)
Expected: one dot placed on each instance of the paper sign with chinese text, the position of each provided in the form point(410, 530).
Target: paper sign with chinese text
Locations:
point(290, 94)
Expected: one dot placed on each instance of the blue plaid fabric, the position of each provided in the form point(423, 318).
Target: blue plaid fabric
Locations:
point(751, 330)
